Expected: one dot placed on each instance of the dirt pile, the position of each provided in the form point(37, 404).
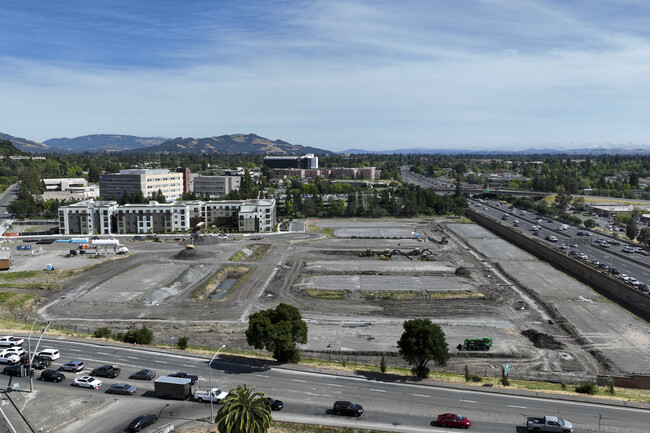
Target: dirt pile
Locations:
point(541, 340)
point(192, 254)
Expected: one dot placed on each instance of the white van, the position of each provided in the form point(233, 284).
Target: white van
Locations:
point(51, 354)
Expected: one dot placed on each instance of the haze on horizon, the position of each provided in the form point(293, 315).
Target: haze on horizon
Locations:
point(375, 75)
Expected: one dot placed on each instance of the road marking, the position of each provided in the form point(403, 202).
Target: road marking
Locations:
point(422, 395)
point(187, 365)
point(377, 390)
point(334, 384)
point(123, 360)
point(133, 357)
point(468, 401)
point(161, 362)
point(74, 350)
point(298, 380)
point(103, 353)
point(518, 407)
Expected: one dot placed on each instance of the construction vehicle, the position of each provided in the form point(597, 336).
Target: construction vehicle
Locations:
point(426, 256)
point(367, 253)
point(483, 343)
point(387, 255)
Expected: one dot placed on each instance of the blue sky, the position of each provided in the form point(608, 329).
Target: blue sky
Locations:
point(377, 75)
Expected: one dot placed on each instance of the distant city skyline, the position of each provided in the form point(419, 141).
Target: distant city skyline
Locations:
point(374, 75)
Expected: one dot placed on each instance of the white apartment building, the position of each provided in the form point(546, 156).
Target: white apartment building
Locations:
point(144, 180)
point(107, 217)
point(87, 217)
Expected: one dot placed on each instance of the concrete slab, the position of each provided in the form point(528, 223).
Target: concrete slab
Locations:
point(379, 266)
point(375, 232)
point(371, 283)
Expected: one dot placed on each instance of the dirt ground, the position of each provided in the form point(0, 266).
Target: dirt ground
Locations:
point(353, 298)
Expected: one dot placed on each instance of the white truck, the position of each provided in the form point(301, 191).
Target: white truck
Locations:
point(214, 394)
point(551, 424)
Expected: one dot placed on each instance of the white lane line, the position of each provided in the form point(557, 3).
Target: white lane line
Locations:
point(376, 390)
point(133, 357)
point(74, 350)
point(421, 395)
point(103, 353)
point(334, 384)
point(469, 401)
point(187, 365)
point(123, 360)
point(518, 407)
point(161, 362)
point(298, 380)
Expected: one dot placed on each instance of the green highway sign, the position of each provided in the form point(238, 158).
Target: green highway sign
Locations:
point(506, 368)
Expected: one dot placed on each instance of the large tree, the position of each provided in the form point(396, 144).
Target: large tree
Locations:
point(244, 411)
point(278, 330)
point(421, 342)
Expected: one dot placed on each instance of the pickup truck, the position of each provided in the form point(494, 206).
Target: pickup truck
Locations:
point(549, 424)
point(214, 394)
point(184, 375)
point(10, 341)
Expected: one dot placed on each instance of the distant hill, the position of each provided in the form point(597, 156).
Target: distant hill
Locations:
point(8, 149)
point(26, 145)
point(103, 143)
point(532, 151)
point(229, 144)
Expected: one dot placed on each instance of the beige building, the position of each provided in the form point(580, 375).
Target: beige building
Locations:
point(214, 186)
point(147, 181)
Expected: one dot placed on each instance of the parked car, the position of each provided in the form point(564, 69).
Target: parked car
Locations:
point(122, 388)
point(633, 281)
point(453, 420)
point(52, 376)
point(15, 349)
point(72, 366)
point(11, 341)
point(275, 404)
point(628, 250)
point(51, 354)
point(604, 266)
point(615, 271)
point(142, 421)
point(9, 358)
point(595, 262)
point(87, 382)
point(624, 277)
point(106, 371)
point(347, 408)
point(143, 374)
point(18, 371)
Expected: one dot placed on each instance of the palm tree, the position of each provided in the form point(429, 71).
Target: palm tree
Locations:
point(244, 411)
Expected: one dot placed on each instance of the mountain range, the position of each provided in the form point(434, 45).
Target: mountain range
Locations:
point(224, 144)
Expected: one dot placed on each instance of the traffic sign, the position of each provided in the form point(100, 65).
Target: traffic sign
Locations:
point(506, 368)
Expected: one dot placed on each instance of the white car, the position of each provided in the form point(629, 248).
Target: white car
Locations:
point(11, 341)
point(87, 382)
point(16, 350)
point(9, 358)
point(624, 277)
point(583, 256)
point(51, 354)
point(633, 281)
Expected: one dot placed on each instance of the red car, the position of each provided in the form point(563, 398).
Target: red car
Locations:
point(453, 420)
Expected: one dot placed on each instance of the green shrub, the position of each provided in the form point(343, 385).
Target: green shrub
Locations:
point(102, 333)
point(475, 378)
point(586, 387)
point(182, 343)
point(382, 363)
point(504, 377)
point(467, 375)
point(610, 386)
point(563, 385)
point(139, 336)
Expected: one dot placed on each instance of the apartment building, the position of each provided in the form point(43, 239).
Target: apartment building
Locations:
point(144, 180)
point(87, 217)
point(308, 161)
point(107, 217)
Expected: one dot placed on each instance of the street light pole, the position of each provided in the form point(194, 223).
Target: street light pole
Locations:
point(31, 359)
point(210, 373)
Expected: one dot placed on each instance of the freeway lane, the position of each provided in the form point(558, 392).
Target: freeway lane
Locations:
point(390, 406)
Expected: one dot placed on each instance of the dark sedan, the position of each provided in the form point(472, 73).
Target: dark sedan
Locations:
point(275, 404)
point(347, 408)
point(142, 421)
point(122, 388)
point(18, 371)
point(143, 374)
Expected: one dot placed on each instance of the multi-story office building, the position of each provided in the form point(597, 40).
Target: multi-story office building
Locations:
point(366, 173)
point(215, 186)
point(308, 161)
point(88, 217)
point(147, 181)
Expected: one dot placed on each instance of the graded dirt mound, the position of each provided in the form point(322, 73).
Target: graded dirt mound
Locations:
point(541, 340)
point(206, 240)
point(192, 254)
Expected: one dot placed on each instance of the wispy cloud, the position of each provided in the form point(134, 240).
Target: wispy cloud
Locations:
point(333, 74)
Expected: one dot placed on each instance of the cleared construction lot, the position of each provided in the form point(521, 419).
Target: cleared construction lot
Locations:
point(355, 289)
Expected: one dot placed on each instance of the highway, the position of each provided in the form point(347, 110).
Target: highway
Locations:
point(398, 406)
